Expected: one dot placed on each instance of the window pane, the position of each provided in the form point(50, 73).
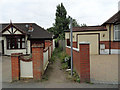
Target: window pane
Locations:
point(117, 35)
point(23, 39)
point(18, 44)
point(23, 45)
point(13, 43)
point(119, 27)
point(18, 39)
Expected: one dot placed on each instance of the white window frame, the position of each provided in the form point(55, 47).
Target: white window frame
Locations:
point(117, 30)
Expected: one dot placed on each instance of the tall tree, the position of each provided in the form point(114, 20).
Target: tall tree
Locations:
point(74, 22)
point(61, 21)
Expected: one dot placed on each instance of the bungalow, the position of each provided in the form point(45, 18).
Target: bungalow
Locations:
point(18, 37)
point(104, 39)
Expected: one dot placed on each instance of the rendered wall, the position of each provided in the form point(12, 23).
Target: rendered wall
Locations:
point(104, 69)
point(94, 43)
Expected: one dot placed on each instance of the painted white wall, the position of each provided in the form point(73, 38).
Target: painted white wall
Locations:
point(53, 44)
point(45, 59)
point(0, 44)
point(26, 69)
point(9, 52)
point(50, 52)
point(17, 32)
point(6, 32)
point(113, 51)
point(28, 47)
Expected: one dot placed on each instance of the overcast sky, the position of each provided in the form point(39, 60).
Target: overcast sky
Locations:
point(42, 12)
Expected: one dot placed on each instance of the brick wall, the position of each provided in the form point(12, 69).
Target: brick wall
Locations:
point(84, 62)
point(76, 59)
point(48, 43)
point(37, 57)
point(15, 63)
point(75, 44)
point(114, 44)
point(81, 61)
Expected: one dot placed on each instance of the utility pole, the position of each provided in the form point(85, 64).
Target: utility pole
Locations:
point(71, 46)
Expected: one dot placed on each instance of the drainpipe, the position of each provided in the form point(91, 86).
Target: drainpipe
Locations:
point(26, 44)
point(110, 39)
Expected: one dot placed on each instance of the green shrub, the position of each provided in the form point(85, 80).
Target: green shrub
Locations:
point(64, 66)
point(75, 76)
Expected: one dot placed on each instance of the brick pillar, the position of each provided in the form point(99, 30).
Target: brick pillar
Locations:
point(15, 62)
point(84, 62)
point(37, 57)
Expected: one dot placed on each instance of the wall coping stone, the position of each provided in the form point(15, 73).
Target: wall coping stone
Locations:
point(84, 42)
point(76, 49)
point(37, 45)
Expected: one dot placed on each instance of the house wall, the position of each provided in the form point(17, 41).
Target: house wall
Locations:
point(8, 52)
point(104, 69)
point(94, 42)
point(104, 39)
point(0, 44)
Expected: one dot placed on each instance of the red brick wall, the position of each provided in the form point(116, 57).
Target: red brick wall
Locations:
point(75, 44)
point(76, 59)
point(51, 47)
point(114, 44)
point(48, 43)
point(15, 64)
point(37, 57)
point(84, 62)
point(81, 61)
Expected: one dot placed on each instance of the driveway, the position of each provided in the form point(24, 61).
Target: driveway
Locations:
point(6, 69)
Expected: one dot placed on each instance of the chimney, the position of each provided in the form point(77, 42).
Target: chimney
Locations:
point(30, 28)
point(119, 6)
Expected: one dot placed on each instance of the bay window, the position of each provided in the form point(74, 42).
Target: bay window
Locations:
point(117, 32)
point(15, 42)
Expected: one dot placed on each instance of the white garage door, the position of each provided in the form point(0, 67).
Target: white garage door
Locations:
point(26, 69)
point(94, 42)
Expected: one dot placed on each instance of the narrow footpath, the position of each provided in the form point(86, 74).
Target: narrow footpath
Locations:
point(55, 74)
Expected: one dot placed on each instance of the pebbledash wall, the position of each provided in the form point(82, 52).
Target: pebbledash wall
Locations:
point(38, 60)
point(96, 68)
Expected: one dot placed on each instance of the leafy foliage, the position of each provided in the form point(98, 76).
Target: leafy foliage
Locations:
point(62, 23)
point(83, 25)
point(74, 22)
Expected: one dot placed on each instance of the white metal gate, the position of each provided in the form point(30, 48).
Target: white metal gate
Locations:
point(26, 69)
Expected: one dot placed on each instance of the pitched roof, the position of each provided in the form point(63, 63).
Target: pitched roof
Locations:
point(115, 19)
point(38, 32)
point(88, 28)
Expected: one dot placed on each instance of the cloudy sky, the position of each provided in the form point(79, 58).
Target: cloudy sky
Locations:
point(42, 12)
